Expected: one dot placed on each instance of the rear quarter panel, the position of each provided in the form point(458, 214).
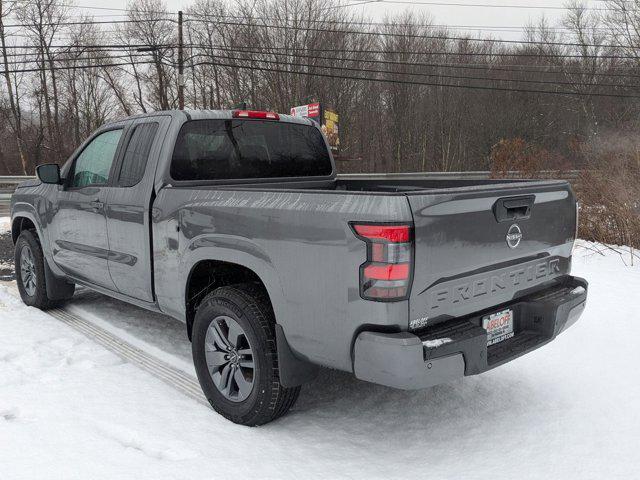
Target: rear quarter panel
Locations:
point(298, 242)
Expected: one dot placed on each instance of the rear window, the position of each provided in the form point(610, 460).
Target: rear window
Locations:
point(245, 149)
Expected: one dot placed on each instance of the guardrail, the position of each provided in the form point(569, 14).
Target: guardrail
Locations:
point(14, 179)
point(415, 175)
point(7, 186)
point(475, 175)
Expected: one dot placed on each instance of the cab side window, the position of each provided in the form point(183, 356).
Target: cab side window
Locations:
point(93, 165)
point(136, 155)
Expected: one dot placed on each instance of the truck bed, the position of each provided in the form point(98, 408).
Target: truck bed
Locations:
point(374, 184)
point(462, 262)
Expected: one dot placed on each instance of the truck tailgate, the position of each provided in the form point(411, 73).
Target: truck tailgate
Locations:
point(464, 260)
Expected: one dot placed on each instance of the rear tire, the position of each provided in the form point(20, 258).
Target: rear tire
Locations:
point(30, 276)
point(236, 358)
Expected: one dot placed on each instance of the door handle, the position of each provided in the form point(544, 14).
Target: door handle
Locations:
point(513, 208)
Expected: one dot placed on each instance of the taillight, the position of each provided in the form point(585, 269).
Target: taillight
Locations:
point(386, 275)
point(255, 114)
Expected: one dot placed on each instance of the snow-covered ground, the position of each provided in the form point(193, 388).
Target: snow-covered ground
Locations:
point(71, 409)
point(6, 249)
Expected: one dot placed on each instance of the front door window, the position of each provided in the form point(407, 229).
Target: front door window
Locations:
point(93, 165)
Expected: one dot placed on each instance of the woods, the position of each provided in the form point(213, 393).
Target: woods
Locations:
point(412, 95)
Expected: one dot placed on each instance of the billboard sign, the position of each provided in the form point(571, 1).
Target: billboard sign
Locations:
point(330, 129)
point(326, 119)
point(311, 111)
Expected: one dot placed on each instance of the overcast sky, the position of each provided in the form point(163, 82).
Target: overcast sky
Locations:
point(455, 15)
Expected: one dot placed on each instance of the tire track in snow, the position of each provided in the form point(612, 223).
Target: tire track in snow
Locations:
point(181, 381)
point(173, 377)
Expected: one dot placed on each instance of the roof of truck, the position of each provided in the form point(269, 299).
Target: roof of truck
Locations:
point(206, 115)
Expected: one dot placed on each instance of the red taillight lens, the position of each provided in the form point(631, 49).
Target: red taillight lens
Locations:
point(386, 275)
point(255, 114)
point(387, 272)
point(389, 233)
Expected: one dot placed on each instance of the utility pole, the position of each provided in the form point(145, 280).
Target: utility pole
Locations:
point(180, 63)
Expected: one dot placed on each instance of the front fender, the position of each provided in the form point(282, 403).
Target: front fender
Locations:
point(57, 287)
point(26, 210)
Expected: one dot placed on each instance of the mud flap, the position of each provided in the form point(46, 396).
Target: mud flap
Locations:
point(293, 371)
point(57, 288)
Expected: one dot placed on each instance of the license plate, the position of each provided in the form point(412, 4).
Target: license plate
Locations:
point(499, 326)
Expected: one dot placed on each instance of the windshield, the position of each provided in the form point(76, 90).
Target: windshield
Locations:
point(245, 149)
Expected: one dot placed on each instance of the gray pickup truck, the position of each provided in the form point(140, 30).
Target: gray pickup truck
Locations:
point(236, 223)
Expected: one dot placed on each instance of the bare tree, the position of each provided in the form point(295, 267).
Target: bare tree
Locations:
point(152, 29)
point(43, 19)
point(12, 93)
point(397, 84)
point(623, 22)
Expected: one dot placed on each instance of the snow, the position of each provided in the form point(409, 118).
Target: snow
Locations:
point(6, 265)
point(5, 225)
point(436, 343)
point(71, 409)
point(6, 249)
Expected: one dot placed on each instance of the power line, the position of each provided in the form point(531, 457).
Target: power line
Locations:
point(478, 28)
point(411, 82)
point(71, 67)
point(406, 35)
point(487, 67)
point(99, 65)
point(84, 22)
point(104, 46)
point(91, 7)
point(496, 28)
point(386, 24)
point(418, 74)
point(69, 49)
point(492, 5)
point(515, 28)
point(556, 92)
point(111, 57)
point(365, 2)
point(73, 59)
point(342, 50)
point(452, 53)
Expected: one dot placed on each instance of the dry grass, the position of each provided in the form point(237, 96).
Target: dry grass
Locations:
point(517, 158)
point(609, 198)
point(608, 187)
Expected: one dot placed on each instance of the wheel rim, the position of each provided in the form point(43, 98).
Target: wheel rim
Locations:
point(229, 358)
point(28, 271)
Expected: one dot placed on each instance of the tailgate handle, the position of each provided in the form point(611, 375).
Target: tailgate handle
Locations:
point(513, 208)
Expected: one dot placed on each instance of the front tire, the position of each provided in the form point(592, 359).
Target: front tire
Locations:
point(234, 352)
point(30, 276)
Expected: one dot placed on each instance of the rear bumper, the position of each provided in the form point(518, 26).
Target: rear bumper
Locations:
point(459, 347)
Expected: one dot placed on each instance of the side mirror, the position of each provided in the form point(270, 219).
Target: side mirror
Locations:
point(49, 173)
